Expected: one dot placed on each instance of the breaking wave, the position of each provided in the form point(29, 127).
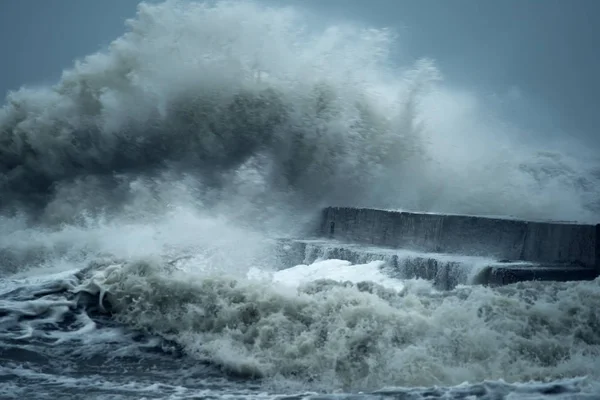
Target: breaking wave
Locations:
point(359, 336)
point(241, 103)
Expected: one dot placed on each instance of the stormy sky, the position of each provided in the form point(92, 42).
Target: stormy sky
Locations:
point(537, 61)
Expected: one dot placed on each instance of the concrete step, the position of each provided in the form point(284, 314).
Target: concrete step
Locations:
point(497, 275)
point(445, 270)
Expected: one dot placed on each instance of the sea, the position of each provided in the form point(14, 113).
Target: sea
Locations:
point(142, 197)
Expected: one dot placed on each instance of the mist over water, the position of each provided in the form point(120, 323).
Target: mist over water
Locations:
point(164, 165)
point(244, 104)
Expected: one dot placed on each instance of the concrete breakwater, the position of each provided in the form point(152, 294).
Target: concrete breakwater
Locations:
point(451, 249)
point(446, 271)
point(565, 243)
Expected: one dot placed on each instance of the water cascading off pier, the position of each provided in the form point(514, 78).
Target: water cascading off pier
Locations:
point(451, 249)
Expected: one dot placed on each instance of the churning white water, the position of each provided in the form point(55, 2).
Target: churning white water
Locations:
point(139, 197)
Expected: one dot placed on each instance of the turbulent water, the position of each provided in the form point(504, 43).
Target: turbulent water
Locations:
point(141, 194)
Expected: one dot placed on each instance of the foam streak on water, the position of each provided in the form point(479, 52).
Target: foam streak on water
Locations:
point(140, 198)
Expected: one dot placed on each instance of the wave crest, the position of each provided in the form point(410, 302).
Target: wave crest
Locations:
point(237, 92)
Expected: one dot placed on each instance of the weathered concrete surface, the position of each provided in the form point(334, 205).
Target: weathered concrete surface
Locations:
point(570, 244)
point(446, 271)
point(502, 275)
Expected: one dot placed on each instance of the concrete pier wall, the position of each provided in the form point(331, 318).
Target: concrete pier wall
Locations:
point(503, 239)
point(446, 271)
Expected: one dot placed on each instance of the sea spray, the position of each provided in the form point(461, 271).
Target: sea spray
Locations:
point(197, 98)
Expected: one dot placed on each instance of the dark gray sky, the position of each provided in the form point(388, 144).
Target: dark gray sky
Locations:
point(546, 51)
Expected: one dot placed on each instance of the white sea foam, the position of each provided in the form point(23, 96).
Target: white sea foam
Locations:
point(336, 270)
point(363, 336)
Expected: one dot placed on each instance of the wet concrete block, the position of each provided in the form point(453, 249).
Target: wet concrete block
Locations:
point(289, 252)
point(505, 275)
point(446, 271)
point(550, 242)
point(501, 238)
point(481, 236)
